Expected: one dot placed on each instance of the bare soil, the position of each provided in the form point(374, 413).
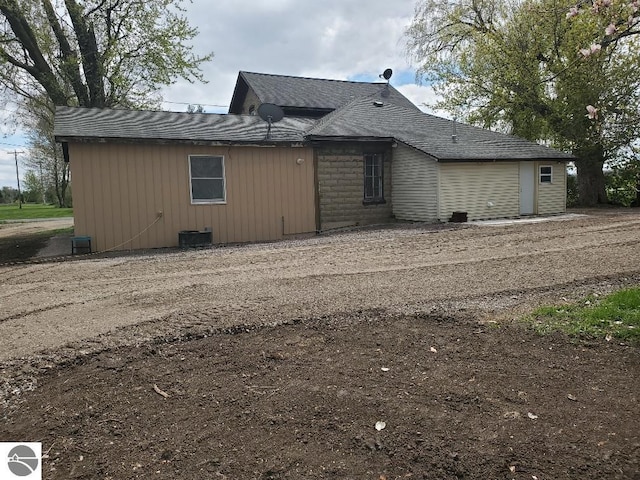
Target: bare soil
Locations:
point(23, 240)
point(276, 360)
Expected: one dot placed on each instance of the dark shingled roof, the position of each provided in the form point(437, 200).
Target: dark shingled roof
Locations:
point(361, 119)
point(307, 93)
point(427, 133)
point(96, 123)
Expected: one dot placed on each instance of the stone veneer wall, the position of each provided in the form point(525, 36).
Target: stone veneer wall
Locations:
point(341, 187)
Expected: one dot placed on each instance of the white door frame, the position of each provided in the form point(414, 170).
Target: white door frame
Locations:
point(527, 188)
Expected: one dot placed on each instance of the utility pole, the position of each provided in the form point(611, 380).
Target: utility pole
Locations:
point(15, 156)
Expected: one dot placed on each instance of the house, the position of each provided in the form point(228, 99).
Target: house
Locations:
point(303, 97)
point(346, 153)
point(424, 168)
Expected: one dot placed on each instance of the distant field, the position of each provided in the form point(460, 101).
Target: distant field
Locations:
point(31, 211)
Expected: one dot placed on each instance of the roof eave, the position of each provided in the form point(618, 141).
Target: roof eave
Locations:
point(347, 138)
point(165, 141)
point(240, 90)
point(498, 160)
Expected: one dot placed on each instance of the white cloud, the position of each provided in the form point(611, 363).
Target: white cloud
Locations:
point(424, 97)
point(337, 39)
point(8, 145)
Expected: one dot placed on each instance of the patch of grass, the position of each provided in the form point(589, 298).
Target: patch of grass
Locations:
point(30, 210)
point(614, 316)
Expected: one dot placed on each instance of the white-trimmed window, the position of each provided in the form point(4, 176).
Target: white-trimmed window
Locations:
point(373, 181)
point(546, 173)
point(207, 179)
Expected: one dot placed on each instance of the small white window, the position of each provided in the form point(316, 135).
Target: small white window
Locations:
point(207, 179)
point(546, 173)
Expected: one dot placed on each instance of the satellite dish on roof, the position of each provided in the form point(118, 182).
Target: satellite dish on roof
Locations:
point(386, 75)
point(270, 113)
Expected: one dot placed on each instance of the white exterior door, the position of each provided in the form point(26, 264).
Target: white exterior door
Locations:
point(527, 187)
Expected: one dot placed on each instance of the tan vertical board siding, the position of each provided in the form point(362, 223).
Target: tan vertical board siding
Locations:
point(552, 197)
point(415, 185)
point(472, 187)
point(120, 190)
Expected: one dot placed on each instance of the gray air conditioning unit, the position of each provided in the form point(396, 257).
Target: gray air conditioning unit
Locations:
point(195, 238)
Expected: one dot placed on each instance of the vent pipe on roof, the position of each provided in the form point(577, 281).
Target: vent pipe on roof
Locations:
point(386, 75)
point(454, 135)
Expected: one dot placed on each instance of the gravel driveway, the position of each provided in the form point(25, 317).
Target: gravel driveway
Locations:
point(88, 303)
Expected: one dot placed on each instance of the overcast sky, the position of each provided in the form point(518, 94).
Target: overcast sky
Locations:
point(336, 39)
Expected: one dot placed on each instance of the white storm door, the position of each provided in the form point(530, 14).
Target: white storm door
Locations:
point(527, 187)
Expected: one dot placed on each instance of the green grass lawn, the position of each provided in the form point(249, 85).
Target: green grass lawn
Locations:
point(30, 211)
point(612, 316)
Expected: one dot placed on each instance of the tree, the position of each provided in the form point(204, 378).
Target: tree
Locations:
point(93, 53)
point(521, 66)
point(8, 194)
point(46, 157)
point(33, 187)
point(195, 109)
point(624, 178)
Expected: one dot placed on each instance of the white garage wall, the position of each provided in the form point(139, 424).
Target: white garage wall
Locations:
point(483, 190)
point(415, 185)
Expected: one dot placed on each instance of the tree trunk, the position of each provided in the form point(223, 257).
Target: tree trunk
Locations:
point(636, 201)
point(591, 183)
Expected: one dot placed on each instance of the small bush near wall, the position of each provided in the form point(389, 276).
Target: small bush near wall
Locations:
point(572, 190)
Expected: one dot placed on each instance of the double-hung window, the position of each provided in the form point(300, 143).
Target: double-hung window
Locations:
point(207, 179)
point(373, 177)
point(546, 173)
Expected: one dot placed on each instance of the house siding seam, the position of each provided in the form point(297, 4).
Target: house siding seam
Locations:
point(415, 185)
point(483, 190)
point(552, 197)
point(341, 190)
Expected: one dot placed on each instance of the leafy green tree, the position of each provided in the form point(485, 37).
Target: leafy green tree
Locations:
point(195, 109)
point(95, 53)
point(8, 194)
point(33, 187)
point(92, 53)
point(623, 181)
point(532, 68)
point(46, 157)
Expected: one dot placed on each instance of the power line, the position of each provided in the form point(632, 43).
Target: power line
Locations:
point(196, 103)
point(12, 144)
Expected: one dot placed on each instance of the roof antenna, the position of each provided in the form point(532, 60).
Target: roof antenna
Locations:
point(271, 114)
point(386, 75)
point(454, 134)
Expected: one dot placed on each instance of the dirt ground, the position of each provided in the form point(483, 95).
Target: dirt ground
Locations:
point(275, 361)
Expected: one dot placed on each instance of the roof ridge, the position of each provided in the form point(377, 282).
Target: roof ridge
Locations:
point(338, 112)
point(312, 78)
point(140, 110)
point(341, 111)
